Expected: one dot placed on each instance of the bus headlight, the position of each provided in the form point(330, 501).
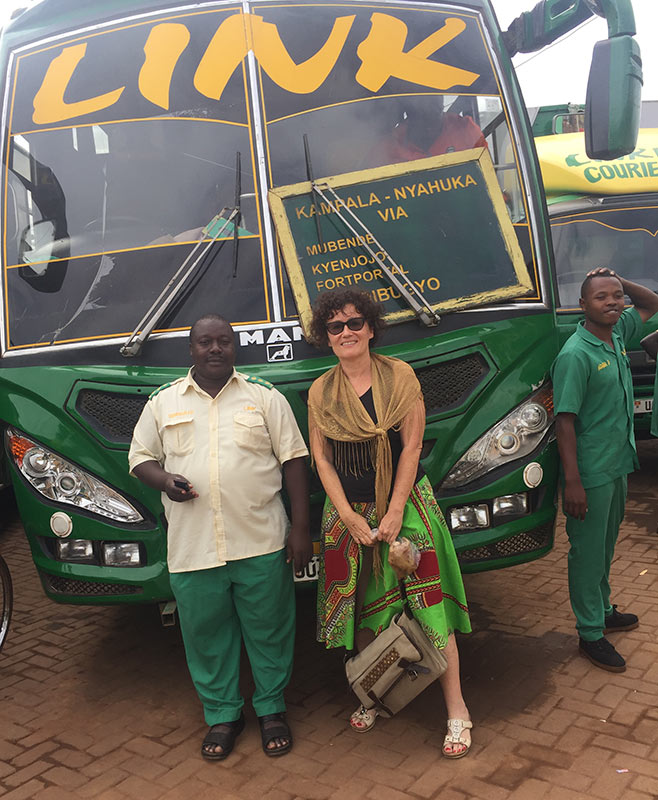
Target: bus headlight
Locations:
point(514, 437)
point(469, 518)
point(121, 554)
point(58, 479)
point(74, 550)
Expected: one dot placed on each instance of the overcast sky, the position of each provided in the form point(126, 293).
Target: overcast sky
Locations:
point(559, 73)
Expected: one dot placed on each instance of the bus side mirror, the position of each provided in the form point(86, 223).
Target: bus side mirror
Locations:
point(37, 244)
point(614, 92)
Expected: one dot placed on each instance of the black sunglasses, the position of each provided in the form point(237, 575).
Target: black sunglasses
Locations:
point(354, 324)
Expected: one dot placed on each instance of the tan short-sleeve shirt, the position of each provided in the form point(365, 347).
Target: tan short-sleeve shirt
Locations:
point(231, 449)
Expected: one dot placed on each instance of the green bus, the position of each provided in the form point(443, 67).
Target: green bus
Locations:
point(561, 118)
point(141, 140)
point(604, 213)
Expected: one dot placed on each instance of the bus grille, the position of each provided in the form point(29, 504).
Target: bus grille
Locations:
point(525, 542)
point(445, 386)
point(112, 414)
point(450, 383)
point(71, 586)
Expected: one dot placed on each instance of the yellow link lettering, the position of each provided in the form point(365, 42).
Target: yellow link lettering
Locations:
point(49, 103)
point(381, 53)
point(162, 50)
point(301, 78)
point(383, 57)
point(223, 55)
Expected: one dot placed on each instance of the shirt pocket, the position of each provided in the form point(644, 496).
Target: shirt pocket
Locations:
point(178, 436)
point(250, 431)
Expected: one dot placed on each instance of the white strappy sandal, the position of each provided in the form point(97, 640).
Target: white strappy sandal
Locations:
point(456, 730)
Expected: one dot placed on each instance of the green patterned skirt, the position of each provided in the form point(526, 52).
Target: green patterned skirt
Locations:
point(435, 591)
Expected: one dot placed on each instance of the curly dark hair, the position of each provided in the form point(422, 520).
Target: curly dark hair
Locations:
point(329, 303)
point(604, 272)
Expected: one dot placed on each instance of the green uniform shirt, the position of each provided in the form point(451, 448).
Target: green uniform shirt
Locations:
point(593, 381)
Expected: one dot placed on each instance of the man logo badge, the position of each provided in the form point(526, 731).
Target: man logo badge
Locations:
point(279, 352)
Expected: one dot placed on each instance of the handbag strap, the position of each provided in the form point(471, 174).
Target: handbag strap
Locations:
point(405, 599)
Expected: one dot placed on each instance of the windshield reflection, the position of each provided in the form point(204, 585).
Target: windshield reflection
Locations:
point(624, 239)
point(82, 201)
point(392, 130)
point(123, 185)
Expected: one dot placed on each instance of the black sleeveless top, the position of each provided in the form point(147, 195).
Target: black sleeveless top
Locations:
point(361, 488)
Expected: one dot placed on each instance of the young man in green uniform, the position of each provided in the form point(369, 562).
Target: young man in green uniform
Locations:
point(593, 395)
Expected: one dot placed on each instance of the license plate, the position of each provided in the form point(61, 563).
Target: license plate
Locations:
point(310, 571)
point(644, 405)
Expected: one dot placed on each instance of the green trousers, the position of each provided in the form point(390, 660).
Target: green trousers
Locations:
point(592, 543)
point(250, 600)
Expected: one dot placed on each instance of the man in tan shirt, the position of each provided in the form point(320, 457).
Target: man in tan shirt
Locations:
point(216, 444)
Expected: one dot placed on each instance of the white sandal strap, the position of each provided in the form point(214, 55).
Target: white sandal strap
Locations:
point(364, 712)
point(455, 729)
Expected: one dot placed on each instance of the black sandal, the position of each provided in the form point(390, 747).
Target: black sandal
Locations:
point(277, 728)
point(224, 738)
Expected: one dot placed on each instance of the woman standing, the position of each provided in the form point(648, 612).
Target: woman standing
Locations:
point(366, 423)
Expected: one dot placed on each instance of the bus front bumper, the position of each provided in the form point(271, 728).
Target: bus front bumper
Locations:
point(74, 569)
point(501, 534)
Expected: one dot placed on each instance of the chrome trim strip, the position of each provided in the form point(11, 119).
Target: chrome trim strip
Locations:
point(506, 307)
point(130, 16)
point(4, 160)
point(433, 5)
point(524, 163)
point(262, 180)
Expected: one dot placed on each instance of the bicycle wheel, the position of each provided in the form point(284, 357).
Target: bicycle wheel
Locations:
point(6, 600)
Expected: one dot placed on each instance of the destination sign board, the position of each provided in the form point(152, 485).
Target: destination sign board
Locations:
point(442, 220)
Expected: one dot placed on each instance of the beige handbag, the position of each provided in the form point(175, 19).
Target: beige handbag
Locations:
point(398, 664)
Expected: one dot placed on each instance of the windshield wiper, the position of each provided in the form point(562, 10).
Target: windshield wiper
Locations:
point(133, 345)
point(310, 178)
point(394, 275)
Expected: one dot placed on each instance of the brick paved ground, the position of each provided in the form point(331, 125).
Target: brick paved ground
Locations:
point(96, 702)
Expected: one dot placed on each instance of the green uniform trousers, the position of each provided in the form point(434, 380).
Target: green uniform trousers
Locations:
point(250, 600)
point(592, 547)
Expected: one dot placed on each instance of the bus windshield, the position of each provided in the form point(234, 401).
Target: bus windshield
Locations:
point(115, 165)
point(624, 238)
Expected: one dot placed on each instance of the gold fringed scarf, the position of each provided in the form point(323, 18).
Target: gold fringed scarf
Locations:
point(336, 411)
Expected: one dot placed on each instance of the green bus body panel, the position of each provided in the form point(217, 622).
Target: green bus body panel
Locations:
point(517, 353)
point(567, 323)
